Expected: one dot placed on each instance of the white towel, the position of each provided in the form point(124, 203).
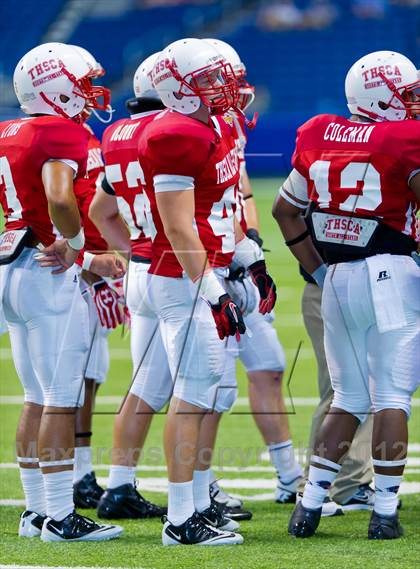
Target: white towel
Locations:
point(386, 295)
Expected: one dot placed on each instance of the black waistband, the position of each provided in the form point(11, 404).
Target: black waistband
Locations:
point(386, 241)
point(140, 259)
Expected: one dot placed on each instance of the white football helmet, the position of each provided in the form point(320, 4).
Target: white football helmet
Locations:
point(54, 79)
point(97, 69)
point(246, 91)
point(189, 73)
point(142, 81)
point(383, 86)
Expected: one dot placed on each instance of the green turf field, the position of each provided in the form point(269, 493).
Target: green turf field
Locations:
point(341, 542)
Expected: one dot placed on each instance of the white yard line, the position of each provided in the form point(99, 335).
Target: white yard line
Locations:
point(160, 485)
point(55, 567)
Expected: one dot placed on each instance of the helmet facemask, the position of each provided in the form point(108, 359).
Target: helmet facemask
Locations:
point(84, 89)
point(214, 85)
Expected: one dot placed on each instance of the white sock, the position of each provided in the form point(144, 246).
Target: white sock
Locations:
point(180, 502)
point(283, 459)
point(386, 494)
point(119, 475)
point(33, 487)
point(319, 482)
point(82, 462)
point(212, 476)
point(59, 494)
point(201, 489)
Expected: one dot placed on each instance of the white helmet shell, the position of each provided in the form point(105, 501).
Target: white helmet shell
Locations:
point(229, 53)
point(174, 67)
point(375, 83)
point(142, 81)
point(97, 69)
point(39, 76)
point(246, 91)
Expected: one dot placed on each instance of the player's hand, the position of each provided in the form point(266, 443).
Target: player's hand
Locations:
point(107, 265)
point(265, 285)
point(107, 305)
point(255, 236)
point(228, 318)
point(58, 254)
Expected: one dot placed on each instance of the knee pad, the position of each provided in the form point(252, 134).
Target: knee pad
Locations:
point(155, 398)
point(225, 398)
point(34, 394)
point(395, 401)
point(359, 407)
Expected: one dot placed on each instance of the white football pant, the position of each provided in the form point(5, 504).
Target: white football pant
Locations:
point(152, 379)
point(48, 326)
point(196, 355)
point(371, 313)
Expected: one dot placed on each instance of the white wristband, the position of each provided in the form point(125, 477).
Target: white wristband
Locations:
point(319, 275)
point(247, 252)
point(87, 260)
point(209, 287)
point(77, 242)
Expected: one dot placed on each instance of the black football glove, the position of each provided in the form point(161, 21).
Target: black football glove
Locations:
point(228, 318)
point(265, 285)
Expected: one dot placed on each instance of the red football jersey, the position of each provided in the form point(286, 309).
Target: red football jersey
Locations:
point(177, 149)
point(25, 145)
point(363, 168)
point(85, 189)
point(240, 135)
point(125, 175)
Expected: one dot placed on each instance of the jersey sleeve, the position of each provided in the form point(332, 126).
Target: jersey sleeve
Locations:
point(295, 188)
point(409, 149)
point(175, 160)
point(64, 140)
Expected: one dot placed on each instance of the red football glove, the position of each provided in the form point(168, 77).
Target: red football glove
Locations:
point(107, 305)
point(228, 318)
point(265, 285)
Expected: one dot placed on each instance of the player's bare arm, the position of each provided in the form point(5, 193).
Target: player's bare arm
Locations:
point(105, 215)
point(250, 205)
point(57, 178)
point(291, 223)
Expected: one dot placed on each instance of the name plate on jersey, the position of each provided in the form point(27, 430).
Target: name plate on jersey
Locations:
point(341, 230)
point(12, 244)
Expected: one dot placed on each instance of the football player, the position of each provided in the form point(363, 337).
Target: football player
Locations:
point(360, 177)
point(191, 172)
point(260, 350)
point(118, 205)
point(41, 155)
point(105, 313)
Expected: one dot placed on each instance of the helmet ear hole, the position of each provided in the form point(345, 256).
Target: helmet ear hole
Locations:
point(64, 98)
point(383, 106)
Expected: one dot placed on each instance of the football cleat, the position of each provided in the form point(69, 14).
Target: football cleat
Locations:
point(384, 527)
point(30, 524)
point(329, 507)
point(75, 527)
point(286, 493)
point(215, 515)
point(221, 496)
point(195, 531)
point(125, 502)
point(238, 514)
point(87, 492)
point(362, 499)
point(304, 522)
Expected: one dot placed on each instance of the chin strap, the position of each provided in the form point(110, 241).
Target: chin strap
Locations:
point(101, 119)
point(251, 124)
